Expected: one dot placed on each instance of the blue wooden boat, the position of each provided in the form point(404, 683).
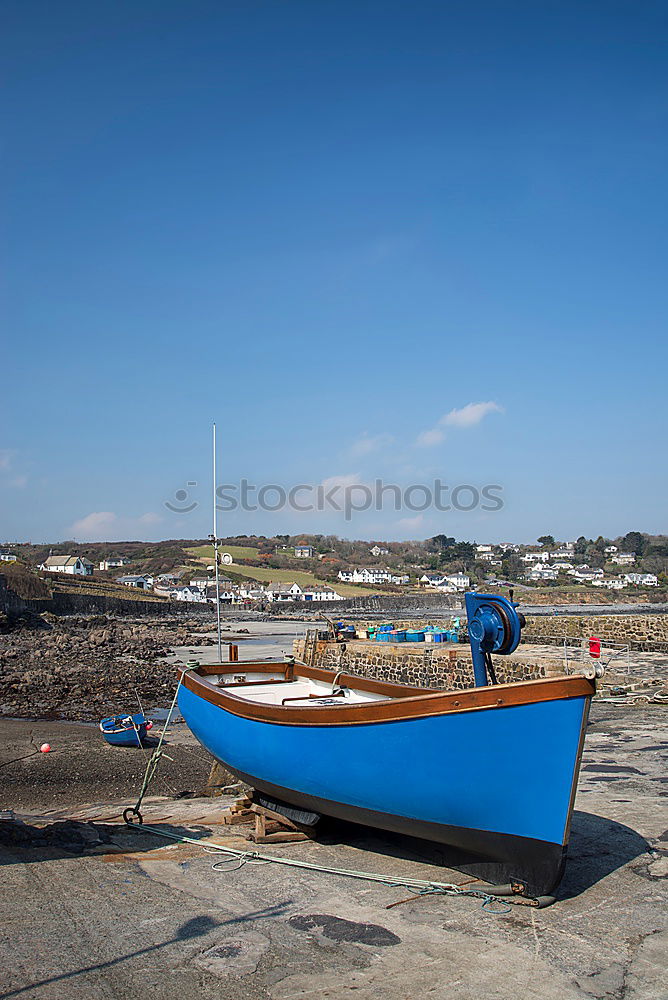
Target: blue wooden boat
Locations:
point(490, 771)
point(125, 730)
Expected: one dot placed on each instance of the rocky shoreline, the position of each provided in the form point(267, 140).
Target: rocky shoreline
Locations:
point(85, 668)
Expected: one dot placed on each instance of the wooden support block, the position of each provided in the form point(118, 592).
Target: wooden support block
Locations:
point(231, 819)
point(218, 776)
point(274, 828)
point(284, 837)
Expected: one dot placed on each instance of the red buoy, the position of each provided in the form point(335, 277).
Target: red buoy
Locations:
point(595, 648)
point(45, 748)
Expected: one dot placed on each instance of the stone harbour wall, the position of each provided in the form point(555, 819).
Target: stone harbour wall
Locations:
point(647, 633)
point(641, 632)
point(432, 666)
point(95, 604)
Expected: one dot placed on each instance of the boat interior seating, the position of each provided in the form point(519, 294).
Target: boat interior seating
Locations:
point(279, 692)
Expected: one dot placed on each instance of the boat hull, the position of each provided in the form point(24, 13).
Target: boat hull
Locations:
point(495, 785)
point(119, 735)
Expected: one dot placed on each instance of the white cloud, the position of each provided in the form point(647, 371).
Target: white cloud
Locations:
point(429, 438)
point(466, 416)
point(368, 443)
point(95, 524)
point(410, 523)
point(8, 472)
point(470, 415)
point(348, 479)
point(105, 525)
point(150, 518)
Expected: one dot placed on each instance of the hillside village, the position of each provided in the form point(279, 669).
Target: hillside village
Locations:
point(257, 570)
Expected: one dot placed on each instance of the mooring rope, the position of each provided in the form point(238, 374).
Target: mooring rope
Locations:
point(154, 760)
point(420, 887)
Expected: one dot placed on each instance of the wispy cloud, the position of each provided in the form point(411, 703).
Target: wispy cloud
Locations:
point(471, 414)
point(426, 439)
point(410, 523)
point(466, 416)
point(9, 475)
point(346, 479)
point(368, 443)
point(105, 525)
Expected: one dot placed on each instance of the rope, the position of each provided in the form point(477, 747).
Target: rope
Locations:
point(6, 763)
point(152, 765)
point(418, 886)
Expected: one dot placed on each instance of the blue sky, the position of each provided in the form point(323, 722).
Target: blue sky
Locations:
point(332, 227)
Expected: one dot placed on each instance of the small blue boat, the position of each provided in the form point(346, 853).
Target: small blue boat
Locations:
point(490, 771)
point(125, 730)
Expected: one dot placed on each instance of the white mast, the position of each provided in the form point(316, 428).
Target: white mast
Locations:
point(214, 539)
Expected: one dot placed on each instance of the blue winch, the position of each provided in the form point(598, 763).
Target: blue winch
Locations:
point(494, 626)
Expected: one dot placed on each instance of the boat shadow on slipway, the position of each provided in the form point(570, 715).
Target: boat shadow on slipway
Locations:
point(23, 843)
point(598, 847)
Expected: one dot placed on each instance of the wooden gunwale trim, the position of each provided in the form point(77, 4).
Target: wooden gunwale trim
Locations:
point(389, 688)
point(395, 709)
point(239, 667)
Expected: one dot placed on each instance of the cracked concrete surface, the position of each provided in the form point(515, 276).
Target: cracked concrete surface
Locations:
point(151, 916)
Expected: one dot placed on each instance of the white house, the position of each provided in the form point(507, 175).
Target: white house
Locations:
point(530, 557)
point(7, 557)
point(562, 565)
point(487, 557)
point(365, 575)
point(543, 572)
point(624, 558)
point(226, 596)
point(321, 594)
point(73, 565)
point(613, 583)
point(432, 579)
point(642, 579)
point(377, 551)
point(610, 550)
point(459, 580)
point(140, 582)
point(252, 592)
point(114, 562)
point(191, 594)
point(400, 579)
point(283, 592)
point(563, 552)
point(585, 574)
point(303, 552)
point(481, 549)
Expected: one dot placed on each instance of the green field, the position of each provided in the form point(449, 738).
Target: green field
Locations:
point(269, 575)
point(236, 551)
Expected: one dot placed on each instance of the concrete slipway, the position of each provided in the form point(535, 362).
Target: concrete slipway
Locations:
point(140, 916)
